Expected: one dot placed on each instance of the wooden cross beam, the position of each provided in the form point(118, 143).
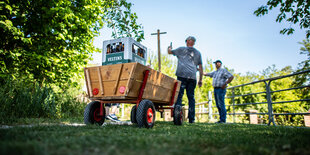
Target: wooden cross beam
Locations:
point(158, 39)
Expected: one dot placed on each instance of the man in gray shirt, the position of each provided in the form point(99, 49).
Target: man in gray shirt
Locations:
point(221, 77)
point(188, 60)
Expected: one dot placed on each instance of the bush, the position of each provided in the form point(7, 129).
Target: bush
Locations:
point(70, 103)
point(21, 100)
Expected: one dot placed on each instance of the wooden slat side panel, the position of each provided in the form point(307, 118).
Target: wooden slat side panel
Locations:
point(158, 88)
point(127, 69)
point(153, 92)
point(112, 78)
point(130, 78)
point(110, 72)
point(100, 81)
point(93, 74)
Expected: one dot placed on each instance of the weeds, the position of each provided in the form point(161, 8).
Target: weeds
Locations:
point(19, 100)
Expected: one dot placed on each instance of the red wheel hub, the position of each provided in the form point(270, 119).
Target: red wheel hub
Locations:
point(97, 116)
point(150, 115)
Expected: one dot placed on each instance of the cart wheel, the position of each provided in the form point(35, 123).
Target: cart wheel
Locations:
point(133, 115)
point(178, 115)
point(92, 112)
point(146, 114)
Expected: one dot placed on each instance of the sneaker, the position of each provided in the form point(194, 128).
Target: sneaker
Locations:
point(113, 118)
point(220, 122)
point(116, 120)
point(109, 117)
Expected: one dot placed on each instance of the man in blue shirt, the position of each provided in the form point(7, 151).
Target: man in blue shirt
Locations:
point(221, 77)
point(188, 60)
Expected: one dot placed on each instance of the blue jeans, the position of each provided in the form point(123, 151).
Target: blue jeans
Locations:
point(189, 85)
point(219, 95)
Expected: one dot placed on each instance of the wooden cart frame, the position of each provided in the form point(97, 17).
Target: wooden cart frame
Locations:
point(144, 117)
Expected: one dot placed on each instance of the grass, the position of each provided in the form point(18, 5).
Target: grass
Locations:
point(164, 138)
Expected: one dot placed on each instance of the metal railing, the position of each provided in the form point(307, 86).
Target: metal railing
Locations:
point(267, 92)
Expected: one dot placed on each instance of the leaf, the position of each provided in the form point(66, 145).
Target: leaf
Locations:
point(61, 36)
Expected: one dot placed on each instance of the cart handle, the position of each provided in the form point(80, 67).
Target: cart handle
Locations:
point(146, 75)
point(173, 93)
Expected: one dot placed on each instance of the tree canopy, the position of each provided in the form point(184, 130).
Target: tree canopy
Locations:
point(49, 41)
point(292, 11)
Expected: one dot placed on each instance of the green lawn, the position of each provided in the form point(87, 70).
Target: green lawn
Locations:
point(164, 138)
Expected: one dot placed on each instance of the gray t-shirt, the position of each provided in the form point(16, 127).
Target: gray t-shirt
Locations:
point(188, 60)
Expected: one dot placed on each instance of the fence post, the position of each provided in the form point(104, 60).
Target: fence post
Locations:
point(210, 105)
point(269, 101)
point(233, 102)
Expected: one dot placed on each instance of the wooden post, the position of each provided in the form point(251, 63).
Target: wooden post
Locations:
point(158, 42)
point(210, 105)
point(159, 57)
point(307, 119)
point(253, 118)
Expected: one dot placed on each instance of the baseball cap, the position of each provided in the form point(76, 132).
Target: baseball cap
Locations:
point(191, 38)
point(218, 61)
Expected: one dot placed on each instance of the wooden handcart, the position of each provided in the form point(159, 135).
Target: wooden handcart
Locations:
point(133, 83)
point(124, 78)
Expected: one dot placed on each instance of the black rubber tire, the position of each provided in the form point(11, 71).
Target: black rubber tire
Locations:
point(89, 113)
point(133, 114)
point(142, 114)
point(177, 115)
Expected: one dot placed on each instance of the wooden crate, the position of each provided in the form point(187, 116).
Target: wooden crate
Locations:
point(122, 82)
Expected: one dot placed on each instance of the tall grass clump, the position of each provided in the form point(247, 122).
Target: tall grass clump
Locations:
point(20, 100)
point(71, 102)
point(24, 100)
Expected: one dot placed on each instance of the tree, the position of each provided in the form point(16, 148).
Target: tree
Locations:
point(49, 41)
point(304, 65)
point(293, 11)
point(124, 23)
point(304, 79)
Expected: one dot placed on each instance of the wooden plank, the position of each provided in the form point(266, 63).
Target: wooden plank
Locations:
point(130, 79)
point(118, 77)
point(86, 81)
point(100, 81)
point(109, 80)
point(127, 70)
point(89, 83)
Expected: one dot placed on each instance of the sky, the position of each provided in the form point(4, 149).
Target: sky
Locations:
point(224, 29)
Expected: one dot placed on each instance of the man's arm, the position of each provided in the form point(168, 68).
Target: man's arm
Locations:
point(206, 74)
point(227, 82)
point(200, 75)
